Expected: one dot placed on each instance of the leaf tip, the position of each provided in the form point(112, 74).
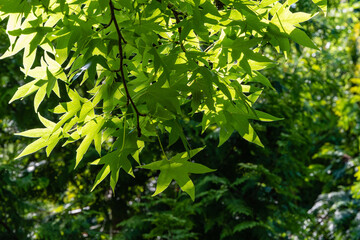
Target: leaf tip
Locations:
point(154, 194)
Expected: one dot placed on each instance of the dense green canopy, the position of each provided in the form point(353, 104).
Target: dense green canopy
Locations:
point(138, 85)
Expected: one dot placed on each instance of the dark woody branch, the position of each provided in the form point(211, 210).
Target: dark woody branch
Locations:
point(121, 69)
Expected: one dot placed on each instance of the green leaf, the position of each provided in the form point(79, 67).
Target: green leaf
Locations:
point(33, 147)
point(47, 123)
point(265, 117)
point(241, 124)
point(166, 97)
point(176, 132)
point(246, 225)
point(23, 41)
point(301, 38)
point(112, 163)
point(322, 4)
point(126, 4)
point(72, 108)
point(45, 140)
point(39, 96)
point(225, 133)
point(258, 77)
point(177, 168)
point(91, 130)
point(34, 133)
point(25, 90)
point(265, 3)
point(28, 59)
point(51, 83)
point(299, 17)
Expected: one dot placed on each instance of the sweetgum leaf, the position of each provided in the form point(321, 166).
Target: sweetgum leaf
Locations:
point(177, 168)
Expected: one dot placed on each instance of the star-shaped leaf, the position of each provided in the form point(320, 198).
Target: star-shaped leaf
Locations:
point(112, 163)
point(178, 169)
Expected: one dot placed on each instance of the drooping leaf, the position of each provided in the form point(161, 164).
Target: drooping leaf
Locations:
point(177, 168)
point(112, 163)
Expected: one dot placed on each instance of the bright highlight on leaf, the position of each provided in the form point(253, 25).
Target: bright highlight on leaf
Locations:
point(47, 137)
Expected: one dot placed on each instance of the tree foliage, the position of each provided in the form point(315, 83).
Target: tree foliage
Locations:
point(123, 73)
point(297, 187)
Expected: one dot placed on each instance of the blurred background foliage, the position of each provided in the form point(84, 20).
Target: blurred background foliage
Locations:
point(304, 184)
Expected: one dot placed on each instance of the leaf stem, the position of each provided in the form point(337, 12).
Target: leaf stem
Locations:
point(124, 134)
point(161, 146)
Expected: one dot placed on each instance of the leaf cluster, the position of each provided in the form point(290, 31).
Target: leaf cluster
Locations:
point(124, 72)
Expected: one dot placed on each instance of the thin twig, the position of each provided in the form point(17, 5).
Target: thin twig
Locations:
point(161, 146)
point(120, 40)
point(108, 25)
point(176, 15)
point(209, 47)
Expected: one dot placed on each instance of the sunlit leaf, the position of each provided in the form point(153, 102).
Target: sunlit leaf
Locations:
point(177, 168)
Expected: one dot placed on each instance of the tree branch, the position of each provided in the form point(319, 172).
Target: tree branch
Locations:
point(8, 230)
point(121, 69)
point(108, 25)
point(176, 15)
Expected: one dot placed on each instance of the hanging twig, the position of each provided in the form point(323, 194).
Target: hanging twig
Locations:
point(121, 69)
point(176, 15)
point(108, 25)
